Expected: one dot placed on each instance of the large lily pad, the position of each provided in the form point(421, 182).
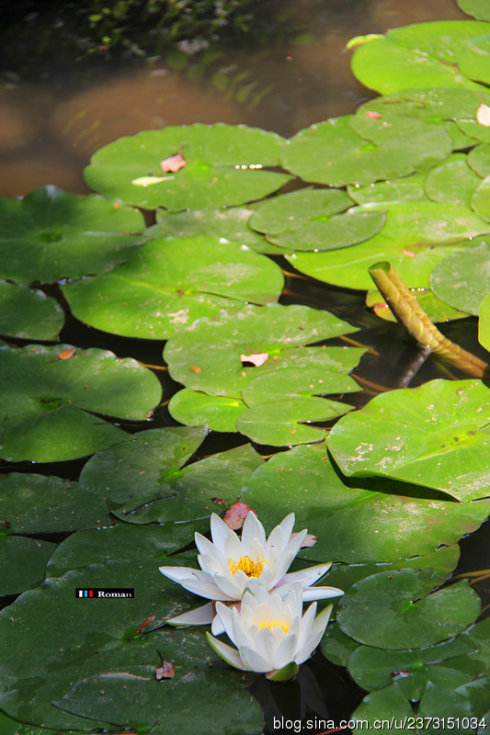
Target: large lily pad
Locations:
point(49, 403)
point(49, 235)
point(474, 58)
point(478, 8)
point(414, 239)
point(390, 610)
point(407, 189)
point(416, 56)
point(170, 283)
point(232, 224)
point(32, 503)
point(435, 435)
point(22, 562)
point(249, 343)
point(480, 200)
point(332, 153)
point(463, 279)
point(224, 165)
point(28, 314)
point(193, 408)
point(76, 638)
point(479, 159)
point(453, 182)
point(355, 522)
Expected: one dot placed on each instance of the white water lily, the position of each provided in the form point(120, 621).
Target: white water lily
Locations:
point(229, 563)
point(270, 633)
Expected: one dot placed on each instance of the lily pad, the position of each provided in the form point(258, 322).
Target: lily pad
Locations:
point(28, 314)
point(391, 611)
point(32, 503)
point(414, 239)
point(355, 521)
point(170, 283)
point(248, 343)
point(479, 160)
point(140, 463)
point(193, 408)
point(416, 56)
point(224, 165)
point(232, 224)
point(202, 488)
point(374, 668)
point(408, 189)
point(453, 182)
point(463, 279)
point(49, 235)
point(22, 562)
point(441, 426)
point(484, 323)
point(49, 403)
point(75, 639)
point(286, 422)
point(481, 199)
point(388, 704)
point(474, 58)
point(477, 8)
point(332, 153)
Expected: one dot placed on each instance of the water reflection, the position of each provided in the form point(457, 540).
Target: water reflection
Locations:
point(49, 129)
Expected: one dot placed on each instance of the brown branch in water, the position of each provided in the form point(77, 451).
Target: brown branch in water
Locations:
point(408, 311)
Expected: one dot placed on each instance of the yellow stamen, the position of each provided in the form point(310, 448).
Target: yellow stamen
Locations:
point(251, 568)
point(271, 624)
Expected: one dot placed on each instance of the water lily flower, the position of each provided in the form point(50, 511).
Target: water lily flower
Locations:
point(270, 633)
point(229, 563)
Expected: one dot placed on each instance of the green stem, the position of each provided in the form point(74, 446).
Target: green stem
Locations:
point(408, 311)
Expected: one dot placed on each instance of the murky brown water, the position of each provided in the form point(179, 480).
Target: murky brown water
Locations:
point(49, 130)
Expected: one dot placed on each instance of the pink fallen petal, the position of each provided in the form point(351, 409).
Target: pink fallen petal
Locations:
point(373, 115)
point(173, 163)
point(236, 514)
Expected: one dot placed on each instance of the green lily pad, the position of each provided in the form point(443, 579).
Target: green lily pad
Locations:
point(298, 209)
point(22, 563)
point(391, 611)
point(442, 427)
point(224, 165)
point(408, 189)
point(481, 199)
point(484, 323)
point(477, 8)
point(75, 639)
point(48, 403)
point(414, 239)
point(479, 160)
point(463, 279)
point(355, 522)
point(286, 422)
point(28, 314)
point(453, 182)
point(121, 543)
point(8, 726)
point(373, 668)
point(49, 235)
point(32, 503)
point(170, 283)
point(332, 153)
point(474, 58)
point(416, 56)
point(232, 224)
point(384, 705)
point(201, 488)
point(140, 463)
point(193, 408)
point(267, 338)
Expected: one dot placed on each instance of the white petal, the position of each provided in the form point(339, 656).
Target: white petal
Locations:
point(320, 593)
point(195, 581)
point(207, 548)
point(227, 653)
point(308, 576)
point(253, 660)
point(199, 616)
point(286, 525)
point(224, 613)
point(284, 653)
point(209, 564)
point(217, 627)
point(318, 629)
point(252, 528)
point(266, 643)
point(229, 585)
point(219, 532)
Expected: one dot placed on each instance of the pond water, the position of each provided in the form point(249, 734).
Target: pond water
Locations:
point(51, 125)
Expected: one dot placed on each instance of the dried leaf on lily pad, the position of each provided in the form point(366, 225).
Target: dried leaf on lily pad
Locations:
point(173, 163)
point(483, 115)
point(236, 514)
point(165, 671)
